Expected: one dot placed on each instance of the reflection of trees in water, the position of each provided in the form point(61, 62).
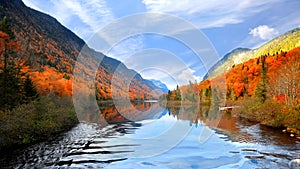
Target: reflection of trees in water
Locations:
point(222, 122)
point(195, 113)
point(123, 112)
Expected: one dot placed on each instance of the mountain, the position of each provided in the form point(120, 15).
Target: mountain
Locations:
point(49, 52)
point(234, 57)
point(163, 87)
point(285, 42)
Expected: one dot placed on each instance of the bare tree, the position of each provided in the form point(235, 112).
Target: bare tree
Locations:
point(287, 82)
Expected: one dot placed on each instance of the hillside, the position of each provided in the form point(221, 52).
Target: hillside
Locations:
point(285, 42)
point(265, 89)
point(49, 52)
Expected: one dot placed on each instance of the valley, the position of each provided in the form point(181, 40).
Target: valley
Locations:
point(64, 104)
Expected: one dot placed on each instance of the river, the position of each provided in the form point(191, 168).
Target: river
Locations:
point(155, 137)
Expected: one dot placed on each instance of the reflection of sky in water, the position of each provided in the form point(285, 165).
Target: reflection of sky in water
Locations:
point(154, 128)
point(169, 142)
point(218, 151)
point(188, 153)
point(170, 139)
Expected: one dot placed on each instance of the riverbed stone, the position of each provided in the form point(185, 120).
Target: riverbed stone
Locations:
point(294, 164)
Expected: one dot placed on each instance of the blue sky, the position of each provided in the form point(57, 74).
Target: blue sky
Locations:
point(227, 24)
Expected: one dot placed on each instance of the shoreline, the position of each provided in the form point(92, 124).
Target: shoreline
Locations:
point(291, 131)
point(36, 122)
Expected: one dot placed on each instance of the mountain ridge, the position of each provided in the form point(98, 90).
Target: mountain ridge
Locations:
point(50, 50)
point(163, 87)
point(284, 42)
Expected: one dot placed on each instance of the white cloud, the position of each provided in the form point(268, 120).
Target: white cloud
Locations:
point(264, 32)
point(84, 17)
point(162, 65)
point(127, 47)
point(94, 13)
point(210, 13)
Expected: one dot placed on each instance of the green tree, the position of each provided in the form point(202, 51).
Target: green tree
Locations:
point(261, 89)
point(177, 93)
point(169, 94)
point(10, 80)
point(30, 92)
point(10, 73)
point(5, 27)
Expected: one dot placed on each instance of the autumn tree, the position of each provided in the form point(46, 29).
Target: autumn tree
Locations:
point(10, 81)
point(287, 82)
point(10, 74)
point(13, 89)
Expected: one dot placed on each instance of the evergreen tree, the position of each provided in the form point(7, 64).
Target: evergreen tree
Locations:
point(177, 93)
point(6, 28)
point(30, 92)
point(169, 94)
point(261, 89)
point(10, 73)
point(10, 80)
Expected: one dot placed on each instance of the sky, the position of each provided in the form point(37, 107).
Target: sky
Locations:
point(224, 24)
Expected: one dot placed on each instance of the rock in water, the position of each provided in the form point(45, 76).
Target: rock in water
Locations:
point(295, 164)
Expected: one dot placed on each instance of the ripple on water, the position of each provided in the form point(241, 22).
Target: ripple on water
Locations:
point(92, 146)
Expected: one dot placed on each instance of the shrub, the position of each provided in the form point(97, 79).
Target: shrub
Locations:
point(37, 120)
point(270, 113)
point(292, 119)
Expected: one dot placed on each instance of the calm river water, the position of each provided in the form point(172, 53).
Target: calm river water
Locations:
point(154, 137)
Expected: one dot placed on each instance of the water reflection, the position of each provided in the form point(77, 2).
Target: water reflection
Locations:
point(237, 130)
point(110, 113)
point(149, 136)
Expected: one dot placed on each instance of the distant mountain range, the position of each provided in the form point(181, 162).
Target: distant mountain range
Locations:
point(163, 87)
point(285, 42)
point(50, 50)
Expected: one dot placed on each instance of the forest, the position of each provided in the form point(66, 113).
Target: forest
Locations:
point(26, 115)
point(266, 90)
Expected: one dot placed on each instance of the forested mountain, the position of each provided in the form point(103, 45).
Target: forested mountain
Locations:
point(262, 84)
point(48, 52)
point(275, 73)
point(282, 43)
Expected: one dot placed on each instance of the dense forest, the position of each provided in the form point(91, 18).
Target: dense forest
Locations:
point(266, 89)
point(25, 115)
point(37, 61)
point(50, 54)
point(16, 84)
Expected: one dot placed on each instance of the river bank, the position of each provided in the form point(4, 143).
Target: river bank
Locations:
point(36, 121)
point(271, 113)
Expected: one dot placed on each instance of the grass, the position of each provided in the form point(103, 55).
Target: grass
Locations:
point(36, 121)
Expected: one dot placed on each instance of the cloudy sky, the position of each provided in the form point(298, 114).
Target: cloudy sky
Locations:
point(226, 25)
